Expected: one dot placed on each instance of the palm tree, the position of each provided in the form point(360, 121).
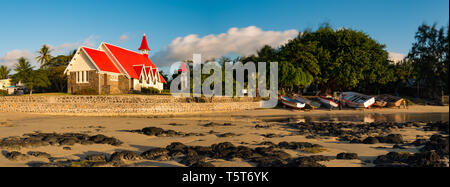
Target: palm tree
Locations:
point(26, 75)
point(4, 72)
point(44, 55)
point(23, 69)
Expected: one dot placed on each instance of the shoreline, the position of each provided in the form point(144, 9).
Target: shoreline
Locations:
point(260, 112)
point(245, 128)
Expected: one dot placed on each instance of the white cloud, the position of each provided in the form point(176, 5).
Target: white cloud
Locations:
point(123, 38)
point(241, 41)
point(396, 57)
point(65, 48)
point(11, 58)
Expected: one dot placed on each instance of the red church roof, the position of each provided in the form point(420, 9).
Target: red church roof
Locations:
point(183, 68)
point(144, 44)
point(162, 79)
point(128, 59)
point(101, 60)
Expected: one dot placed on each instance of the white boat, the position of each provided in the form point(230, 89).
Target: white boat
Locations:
point(357, 100)
point(312, 104)
point(329, 101)
point(292, 103)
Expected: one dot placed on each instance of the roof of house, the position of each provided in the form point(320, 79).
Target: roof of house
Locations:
point(162, 79)
point(101, 60)
point(183, 68)
point(128, 59)
point(144, 44)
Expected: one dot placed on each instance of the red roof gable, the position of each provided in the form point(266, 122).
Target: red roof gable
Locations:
point(138, 70)
point(162, 79)
point(128, 59)
point(183, 68)
point(144, 44)
point(101, 60)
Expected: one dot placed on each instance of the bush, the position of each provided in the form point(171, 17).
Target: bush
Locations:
point(87, 91)
point(3, 92)
point(150, 91)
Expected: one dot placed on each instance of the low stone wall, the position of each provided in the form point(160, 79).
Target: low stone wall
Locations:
point(122, 105)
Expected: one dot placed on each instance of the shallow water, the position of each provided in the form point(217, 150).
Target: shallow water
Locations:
point(366, 118)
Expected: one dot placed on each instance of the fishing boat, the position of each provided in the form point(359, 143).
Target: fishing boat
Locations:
point(391, 101)
point(308, 102)
point(292, 103)
point(357, 100)
point(329, 101)
point(379, 102)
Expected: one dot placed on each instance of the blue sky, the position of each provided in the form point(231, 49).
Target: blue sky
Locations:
point(63, 24)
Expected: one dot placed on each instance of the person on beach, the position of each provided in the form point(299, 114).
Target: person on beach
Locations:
point(340, 100)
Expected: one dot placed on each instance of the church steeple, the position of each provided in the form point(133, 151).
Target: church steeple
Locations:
point(144, 46)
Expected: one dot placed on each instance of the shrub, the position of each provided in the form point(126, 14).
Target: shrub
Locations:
point(150, 91)
point(3, 92)
point(87, 91)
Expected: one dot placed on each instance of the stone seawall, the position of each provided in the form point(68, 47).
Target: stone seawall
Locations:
point(122, 105)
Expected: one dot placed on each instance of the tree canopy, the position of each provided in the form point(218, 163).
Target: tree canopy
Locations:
point(429, 55)
point(4, 72)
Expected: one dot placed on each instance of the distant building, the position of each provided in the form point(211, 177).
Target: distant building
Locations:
point(4, 83)
point(110, 69)
point(19, 88)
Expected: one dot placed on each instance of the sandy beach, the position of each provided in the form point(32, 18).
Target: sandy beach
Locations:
point(245, 128)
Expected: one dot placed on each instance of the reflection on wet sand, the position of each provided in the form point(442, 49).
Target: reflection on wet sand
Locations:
point(366, 118)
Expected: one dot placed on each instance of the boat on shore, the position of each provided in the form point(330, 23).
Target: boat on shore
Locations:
point(391, 101)
point(308, 102)
point(379, 103)
point(329, 102)
point(292, 103)
point(357, 100)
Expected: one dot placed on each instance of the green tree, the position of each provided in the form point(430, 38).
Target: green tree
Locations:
point(29, 77)
point(55, 71)
point(429, 55)
point(347, 57)
point(44, 55)
point(4, 72)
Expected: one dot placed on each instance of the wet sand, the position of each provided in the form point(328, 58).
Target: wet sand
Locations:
point(243, 126)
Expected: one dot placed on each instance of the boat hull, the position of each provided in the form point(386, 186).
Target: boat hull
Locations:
point(292, 103)
point(328, 102)
point(308, 102)
point(357, 100)
point(392, 101)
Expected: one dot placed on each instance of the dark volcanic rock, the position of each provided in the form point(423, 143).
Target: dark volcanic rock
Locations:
point(391, 138)
point(371, 140)
point(404, 159)
point(419, 142)
point(96, 157)
point(350, 131)
point(39, 154)
point(154, 154)
point(297, 145)
point(156, 131)
point(16, 156)
point(437, 143)
point(437, 126)
point(201, 164)
point(396, 146)
point(152, 131)
point(347, 156)
point(176, 147)
point(124, 155)
point(307, 161)
point(44, 139)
